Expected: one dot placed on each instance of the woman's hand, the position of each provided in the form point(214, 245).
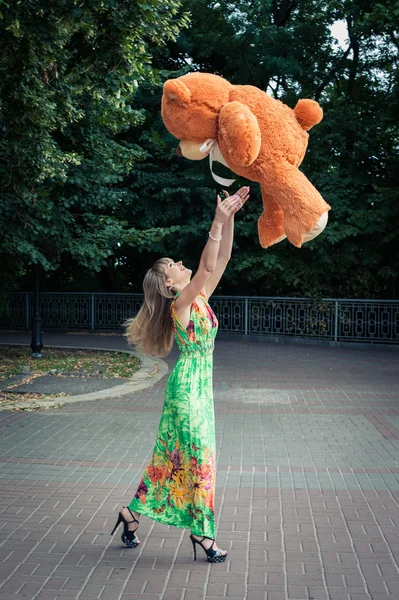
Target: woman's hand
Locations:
point(234, 203)
point(226, 208)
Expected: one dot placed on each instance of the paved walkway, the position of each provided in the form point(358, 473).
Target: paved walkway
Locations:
point(307, 491)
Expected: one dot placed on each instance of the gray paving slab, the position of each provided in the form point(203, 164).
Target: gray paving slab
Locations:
point(5, 383)
point(307, 488)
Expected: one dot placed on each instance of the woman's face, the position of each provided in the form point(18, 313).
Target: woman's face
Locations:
point(176, 274)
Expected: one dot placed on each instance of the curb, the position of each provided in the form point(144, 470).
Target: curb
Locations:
point(151, 371)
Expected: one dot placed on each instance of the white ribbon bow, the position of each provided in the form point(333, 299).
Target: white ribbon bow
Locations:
point(212, 147)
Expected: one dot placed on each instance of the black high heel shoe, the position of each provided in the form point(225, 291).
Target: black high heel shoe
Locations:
point(213, 556)
point(128, 537)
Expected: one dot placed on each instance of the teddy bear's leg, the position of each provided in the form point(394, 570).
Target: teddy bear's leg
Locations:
point(270, 223)
point(300, 201)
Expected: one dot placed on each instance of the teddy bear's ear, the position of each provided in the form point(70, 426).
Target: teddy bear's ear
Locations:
point(175, 89)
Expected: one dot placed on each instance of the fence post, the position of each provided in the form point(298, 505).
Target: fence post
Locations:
point(92, 312)
point(27, 310)
point(336, 322)
point(246, 317)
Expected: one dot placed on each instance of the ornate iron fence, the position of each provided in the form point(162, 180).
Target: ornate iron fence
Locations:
point(328, 319)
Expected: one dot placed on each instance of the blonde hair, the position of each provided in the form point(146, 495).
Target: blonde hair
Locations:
point(151, 330)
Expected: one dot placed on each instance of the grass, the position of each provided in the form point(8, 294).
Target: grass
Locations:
point(14, 360)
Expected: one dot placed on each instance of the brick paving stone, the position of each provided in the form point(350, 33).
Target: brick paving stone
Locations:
point(74, 584)
point(216, 589)
point(46, 595)
point(175, 594)
point(111, 593)
point(317, 593)
point(140, 597)
point(339, 594)
point(257, 595)
point(307, 490)
point(91, 591)
point(154, 586)
point(30, 588)
point(13, 586)
point(193, 594)
point(179, 577)
point(236, 590)
point(259, 577)
point(55, 583)
point(207, 597)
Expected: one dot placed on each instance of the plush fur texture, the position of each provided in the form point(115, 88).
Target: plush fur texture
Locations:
point(260, 138)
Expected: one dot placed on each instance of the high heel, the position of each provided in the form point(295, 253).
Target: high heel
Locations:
point(213, 556)
point(120, 520)
point(128, 537)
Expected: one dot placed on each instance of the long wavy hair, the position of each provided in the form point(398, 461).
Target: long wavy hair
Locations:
point(151, 330)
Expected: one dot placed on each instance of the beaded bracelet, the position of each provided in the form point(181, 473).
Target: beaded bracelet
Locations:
point(215, 239)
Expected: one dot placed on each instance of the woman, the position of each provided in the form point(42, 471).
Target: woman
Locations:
point(178, 485)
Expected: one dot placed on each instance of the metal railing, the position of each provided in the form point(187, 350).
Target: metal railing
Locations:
point(326, 319)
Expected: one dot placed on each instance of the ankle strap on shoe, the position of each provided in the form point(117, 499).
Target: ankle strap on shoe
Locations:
point(134, 518)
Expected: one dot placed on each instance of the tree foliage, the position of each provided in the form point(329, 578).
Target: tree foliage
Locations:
point(68, 74)
point(134, 199)
point(288, 50)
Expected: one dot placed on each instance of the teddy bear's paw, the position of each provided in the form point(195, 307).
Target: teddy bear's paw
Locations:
point(269, 232)
point(317, 229)
point(296, 234)
point(294, 231)
point(279, 239)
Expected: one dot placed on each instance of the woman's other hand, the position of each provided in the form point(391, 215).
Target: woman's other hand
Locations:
point(238, 199)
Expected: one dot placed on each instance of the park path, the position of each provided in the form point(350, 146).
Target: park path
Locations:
point(307, 488)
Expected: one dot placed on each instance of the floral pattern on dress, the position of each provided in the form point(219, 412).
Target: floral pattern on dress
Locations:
point(178, 486)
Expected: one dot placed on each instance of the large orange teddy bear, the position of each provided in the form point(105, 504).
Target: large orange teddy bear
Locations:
point(257, 137)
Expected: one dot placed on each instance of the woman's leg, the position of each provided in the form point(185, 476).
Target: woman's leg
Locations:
point(132, 525)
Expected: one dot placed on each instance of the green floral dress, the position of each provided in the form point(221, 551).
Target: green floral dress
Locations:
point(178, 485)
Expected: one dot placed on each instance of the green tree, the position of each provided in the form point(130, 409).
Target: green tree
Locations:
point(68, 74)
point(287, 49)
